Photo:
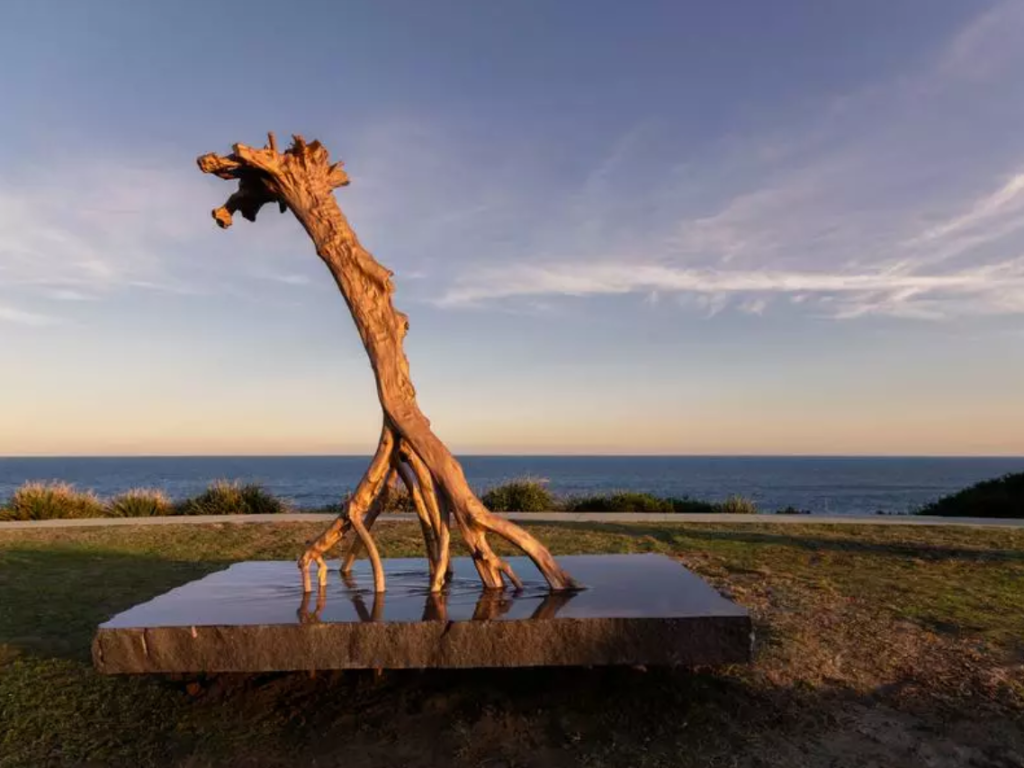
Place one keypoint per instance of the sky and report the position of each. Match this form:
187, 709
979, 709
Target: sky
642, 228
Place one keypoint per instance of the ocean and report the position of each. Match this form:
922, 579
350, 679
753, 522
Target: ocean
823, 485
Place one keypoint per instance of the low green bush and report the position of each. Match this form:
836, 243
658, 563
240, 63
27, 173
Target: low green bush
999, 497
619, 502
397, 500
141, 502
523, 495
48, 501
737, 505
232, 498
692, 506
632, 501
791, 510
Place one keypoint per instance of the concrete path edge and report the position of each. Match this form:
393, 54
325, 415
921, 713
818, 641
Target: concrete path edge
537, 517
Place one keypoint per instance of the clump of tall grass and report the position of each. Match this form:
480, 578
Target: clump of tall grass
141, 502
223, 497
49, 501
522, 495
737, 505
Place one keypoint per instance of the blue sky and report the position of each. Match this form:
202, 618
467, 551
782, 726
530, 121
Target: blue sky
656, 227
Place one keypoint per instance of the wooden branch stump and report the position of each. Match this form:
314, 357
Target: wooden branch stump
301, 179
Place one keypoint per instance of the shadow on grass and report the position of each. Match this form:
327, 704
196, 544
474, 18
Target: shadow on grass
52, 600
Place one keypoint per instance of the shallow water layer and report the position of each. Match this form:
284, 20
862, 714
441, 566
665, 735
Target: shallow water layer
269, 592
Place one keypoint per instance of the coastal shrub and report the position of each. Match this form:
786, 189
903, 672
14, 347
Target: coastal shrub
627, 501
48, 501
522, 495
140, 502
634, 501
398, 500
738, 505
232, 498
791, 510
692, 506
999, 497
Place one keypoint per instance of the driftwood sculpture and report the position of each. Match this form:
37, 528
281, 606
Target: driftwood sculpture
301, 179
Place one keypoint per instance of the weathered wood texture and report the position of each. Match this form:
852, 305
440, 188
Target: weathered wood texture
302, 179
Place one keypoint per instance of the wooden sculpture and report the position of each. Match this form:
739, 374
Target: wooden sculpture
302, 179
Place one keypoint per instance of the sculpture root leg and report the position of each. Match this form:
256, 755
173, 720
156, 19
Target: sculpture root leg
426, 522
353, 544
437, 514
352, 518
436, 506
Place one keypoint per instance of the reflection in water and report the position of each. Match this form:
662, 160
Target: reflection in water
552, 604
376, 613
491, 604
305, 617
436, 608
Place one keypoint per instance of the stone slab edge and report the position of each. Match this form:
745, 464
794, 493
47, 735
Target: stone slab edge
706, 640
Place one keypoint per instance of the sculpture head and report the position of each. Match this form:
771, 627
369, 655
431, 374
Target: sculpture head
265, 175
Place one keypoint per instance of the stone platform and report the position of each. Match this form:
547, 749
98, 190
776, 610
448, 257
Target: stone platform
253, 617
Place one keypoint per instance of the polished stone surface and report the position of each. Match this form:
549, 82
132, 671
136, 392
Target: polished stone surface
252, 616
616, 586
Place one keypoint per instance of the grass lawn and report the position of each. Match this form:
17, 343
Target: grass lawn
877, 646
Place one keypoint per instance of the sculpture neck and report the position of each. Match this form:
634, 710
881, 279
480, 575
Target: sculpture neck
336, 243
367, 288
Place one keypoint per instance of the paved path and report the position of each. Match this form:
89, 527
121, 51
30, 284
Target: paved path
545, 517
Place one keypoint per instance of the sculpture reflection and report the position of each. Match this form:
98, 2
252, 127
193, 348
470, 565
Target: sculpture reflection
376, 612
436, 608
305, 617
491, 604
552, 603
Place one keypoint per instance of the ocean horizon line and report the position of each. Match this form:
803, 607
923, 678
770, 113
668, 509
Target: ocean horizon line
457, 454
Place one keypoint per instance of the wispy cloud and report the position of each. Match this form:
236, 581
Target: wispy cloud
67, 294
871, 289
21, 317
991, 218
287, 279
905, 198
71, 231
112, 225
901, 198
